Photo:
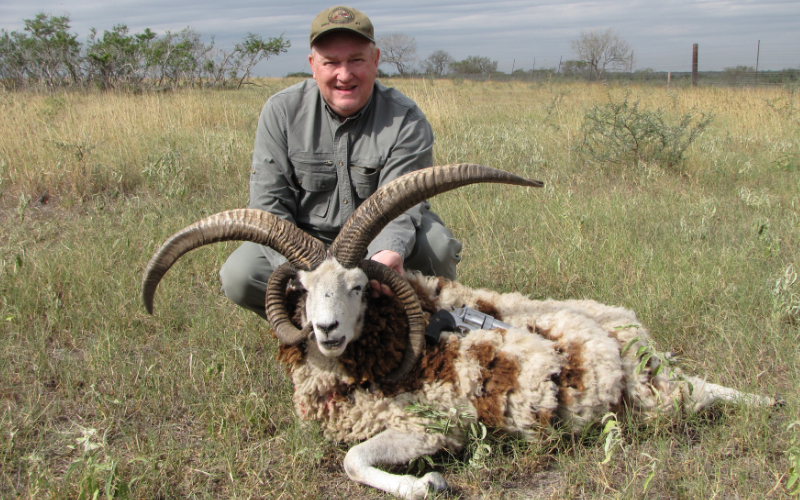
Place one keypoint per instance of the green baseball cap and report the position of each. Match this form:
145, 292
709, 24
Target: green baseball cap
342, 18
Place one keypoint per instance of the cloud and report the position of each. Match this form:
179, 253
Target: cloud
509, 31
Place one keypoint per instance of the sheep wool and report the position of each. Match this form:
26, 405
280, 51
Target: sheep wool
562, 362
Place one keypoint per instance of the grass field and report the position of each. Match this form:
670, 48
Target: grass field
97, 397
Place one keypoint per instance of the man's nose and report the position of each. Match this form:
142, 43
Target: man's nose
344, 72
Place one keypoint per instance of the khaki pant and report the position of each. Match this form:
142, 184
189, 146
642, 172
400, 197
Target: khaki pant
246, 272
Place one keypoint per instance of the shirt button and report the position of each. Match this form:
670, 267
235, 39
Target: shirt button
322, 185
340, 163
345, 201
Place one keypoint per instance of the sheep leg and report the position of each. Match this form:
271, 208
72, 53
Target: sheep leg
703, 394
393, 447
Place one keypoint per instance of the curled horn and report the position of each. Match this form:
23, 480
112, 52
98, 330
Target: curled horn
276, 307
394, 198
257, 226
416, 320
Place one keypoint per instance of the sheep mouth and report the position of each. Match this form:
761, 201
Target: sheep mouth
332, 345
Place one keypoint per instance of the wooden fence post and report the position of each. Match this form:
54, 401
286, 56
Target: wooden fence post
758, 53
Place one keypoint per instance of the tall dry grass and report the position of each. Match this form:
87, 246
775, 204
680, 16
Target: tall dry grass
98, 397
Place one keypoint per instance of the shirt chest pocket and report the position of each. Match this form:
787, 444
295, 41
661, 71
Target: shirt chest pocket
316, 178
364, 175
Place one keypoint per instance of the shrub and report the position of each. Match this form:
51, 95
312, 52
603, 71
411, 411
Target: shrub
621, 132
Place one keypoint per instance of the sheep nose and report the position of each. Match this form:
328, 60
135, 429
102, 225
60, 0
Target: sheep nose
326, 329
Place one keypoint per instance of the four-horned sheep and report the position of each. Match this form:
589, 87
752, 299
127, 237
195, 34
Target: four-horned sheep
361, 366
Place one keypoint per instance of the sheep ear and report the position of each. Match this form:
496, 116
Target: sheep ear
295, 285
416, 319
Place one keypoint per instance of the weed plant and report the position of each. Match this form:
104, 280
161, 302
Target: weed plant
100, 400
620, 132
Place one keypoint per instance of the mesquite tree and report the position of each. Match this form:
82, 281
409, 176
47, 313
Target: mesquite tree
399, 50
438, 63
603, 51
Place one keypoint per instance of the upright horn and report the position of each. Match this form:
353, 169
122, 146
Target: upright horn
385, 205
301, 249
392, 199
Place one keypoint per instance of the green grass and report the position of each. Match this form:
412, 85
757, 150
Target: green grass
97, 396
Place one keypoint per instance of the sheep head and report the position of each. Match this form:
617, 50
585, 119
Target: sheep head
334, 305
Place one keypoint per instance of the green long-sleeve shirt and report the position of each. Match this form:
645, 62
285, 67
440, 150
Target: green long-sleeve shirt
313, 170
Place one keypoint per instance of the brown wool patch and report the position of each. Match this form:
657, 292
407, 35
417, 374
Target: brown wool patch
542, 332
295, 302
436, 363
487, 307
483, 352
502, 376
341, 393
442, 284
382, 343
545, 417
570, 379
291, 355
427, 303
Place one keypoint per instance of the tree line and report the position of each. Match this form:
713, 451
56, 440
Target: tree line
45, 54
400, 50
598, 55
597, 52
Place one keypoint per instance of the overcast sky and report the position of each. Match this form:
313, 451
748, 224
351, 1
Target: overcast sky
516, 33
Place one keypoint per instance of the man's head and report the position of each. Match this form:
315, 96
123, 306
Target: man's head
344, 58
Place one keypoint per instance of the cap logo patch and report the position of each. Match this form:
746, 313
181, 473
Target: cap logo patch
340, 15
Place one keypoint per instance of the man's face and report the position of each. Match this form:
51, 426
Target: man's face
345, 66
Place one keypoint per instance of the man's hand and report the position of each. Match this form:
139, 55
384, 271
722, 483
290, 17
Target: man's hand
389, 259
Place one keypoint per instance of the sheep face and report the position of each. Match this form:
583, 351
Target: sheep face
335, 304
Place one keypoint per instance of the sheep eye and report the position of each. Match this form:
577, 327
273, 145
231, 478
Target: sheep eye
357, 288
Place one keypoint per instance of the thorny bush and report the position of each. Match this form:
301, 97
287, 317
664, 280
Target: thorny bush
622, 133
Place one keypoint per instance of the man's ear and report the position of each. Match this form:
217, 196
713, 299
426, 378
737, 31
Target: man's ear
377, 57
311, 62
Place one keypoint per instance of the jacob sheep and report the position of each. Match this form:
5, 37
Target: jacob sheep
361, 367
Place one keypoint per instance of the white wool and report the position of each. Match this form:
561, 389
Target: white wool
538, 362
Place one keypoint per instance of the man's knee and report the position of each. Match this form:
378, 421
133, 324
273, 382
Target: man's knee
437, 252
236, 281
244, 277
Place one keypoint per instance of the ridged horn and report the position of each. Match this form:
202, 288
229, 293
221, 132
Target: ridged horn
276, 307
304, 251
416, 320
392, 199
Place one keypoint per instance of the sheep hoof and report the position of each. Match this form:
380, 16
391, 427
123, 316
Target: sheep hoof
778, 401
435, 482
